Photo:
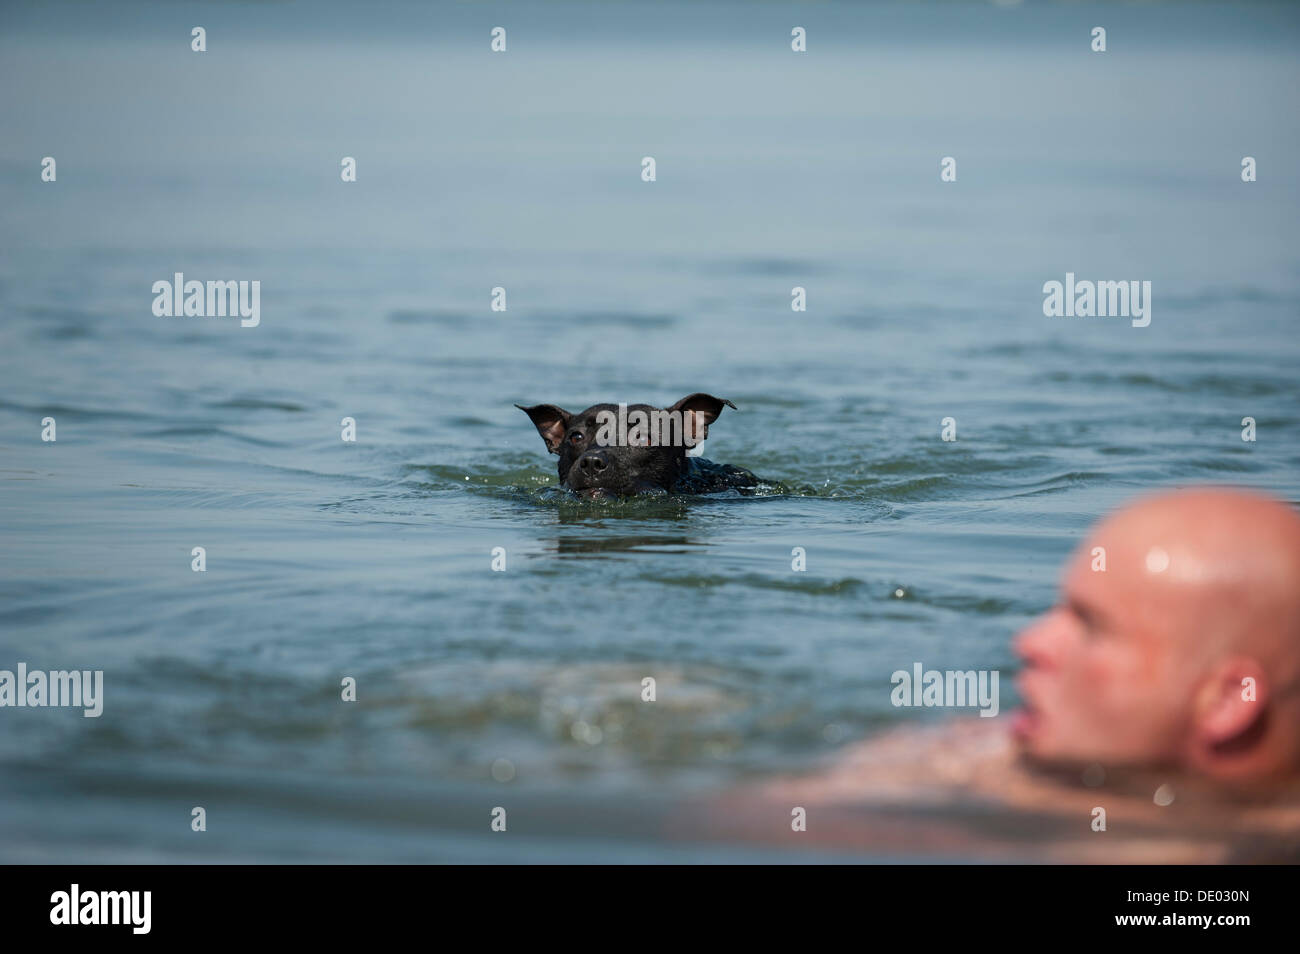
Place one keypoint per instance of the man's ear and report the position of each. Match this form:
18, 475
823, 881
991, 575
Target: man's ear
1232, 702
551, 422
698, 412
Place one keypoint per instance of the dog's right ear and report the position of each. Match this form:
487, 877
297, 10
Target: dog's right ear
551, 422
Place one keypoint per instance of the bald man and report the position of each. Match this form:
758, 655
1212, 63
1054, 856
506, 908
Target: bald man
1176, 642
1163, 690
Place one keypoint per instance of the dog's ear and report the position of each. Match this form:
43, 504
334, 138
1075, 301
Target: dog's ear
698, 412
551, 422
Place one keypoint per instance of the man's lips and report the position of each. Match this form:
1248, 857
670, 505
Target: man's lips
1025, 719
1023, 723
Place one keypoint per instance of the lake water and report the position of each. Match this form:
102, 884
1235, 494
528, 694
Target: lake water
327, 559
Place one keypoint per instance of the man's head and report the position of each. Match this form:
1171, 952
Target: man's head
612, 449
1176, 642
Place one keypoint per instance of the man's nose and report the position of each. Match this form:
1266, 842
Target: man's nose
593, 461
1040, 643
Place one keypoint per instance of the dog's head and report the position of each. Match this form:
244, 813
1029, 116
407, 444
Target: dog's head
612, 449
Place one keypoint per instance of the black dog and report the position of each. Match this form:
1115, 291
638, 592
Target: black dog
603, 452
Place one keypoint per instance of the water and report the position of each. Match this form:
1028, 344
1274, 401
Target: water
328, 559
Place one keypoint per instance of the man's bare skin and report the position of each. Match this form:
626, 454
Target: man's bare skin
1163, 688
966, 788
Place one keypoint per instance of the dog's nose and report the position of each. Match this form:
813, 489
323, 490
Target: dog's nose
593, 461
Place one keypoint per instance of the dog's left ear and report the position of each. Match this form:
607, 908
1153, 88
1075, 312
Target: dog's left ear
698, 412
551, 422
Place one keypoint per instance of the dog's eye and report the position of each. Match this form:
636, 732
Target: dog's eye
576, 438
